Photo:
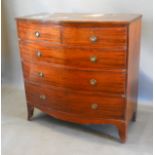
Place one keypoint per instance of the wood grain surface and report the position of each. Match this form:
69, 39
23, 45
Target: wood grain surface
106, 81
47, 32
75, 102
73, 57
106, 37
82, 68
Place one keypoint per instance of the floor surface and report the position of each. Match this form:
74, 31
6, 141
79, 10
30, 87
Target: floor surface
45, 135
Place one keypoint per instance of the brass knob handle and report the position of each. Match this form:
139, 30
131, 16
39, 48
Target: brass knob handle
94, 106
37, 34
38, 54
93, 59
41, 74
93, 39
93, 82
43, 97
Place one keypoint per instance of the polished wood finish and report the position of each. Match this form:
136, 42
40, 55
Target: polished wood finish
133, 67
83, 18
106, 81
30, 109
27, 31
107, 37
82, 68
73, 57
75, 102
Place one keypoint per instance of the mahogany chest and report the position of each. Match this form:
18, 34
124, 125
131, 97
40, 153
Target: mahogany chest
82, 68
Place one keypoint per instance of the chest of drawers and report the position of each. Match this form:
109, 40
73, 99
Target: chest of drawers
82, 68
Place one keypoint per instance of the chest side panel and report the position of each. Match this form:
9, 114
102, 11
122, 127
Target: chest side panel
134, 34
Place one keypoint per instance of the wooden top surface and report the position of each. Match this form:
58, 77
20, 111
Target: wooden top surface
83, 17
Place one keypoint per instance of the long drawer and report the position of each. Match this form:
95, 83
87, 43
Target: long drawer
105, 81
86, 105
73, 57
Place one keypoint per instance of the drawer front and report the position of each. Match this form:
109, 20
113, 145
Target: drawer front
74, 102
38, 31
73, 57
104, 37
105, 81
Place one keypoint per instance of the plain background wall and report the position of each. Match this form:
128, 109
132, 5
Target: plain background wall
11, 67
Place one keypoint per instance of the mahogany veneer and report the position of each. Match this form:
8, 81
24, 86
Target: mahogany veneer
82, 68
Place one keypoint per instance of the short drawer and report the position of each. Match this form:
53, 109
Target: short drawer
33, 30
104, 81
86, 105
100, 37
73, 57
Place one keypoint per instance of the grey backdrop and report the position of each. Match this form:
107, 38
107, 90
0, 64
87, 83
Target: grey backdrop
11, 67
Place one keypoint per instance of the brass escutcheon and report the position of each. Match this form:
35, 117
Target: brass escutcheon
43, 97
94, 106
38, 54
93, 59
93, 82
37, 34
41, 74
93, 39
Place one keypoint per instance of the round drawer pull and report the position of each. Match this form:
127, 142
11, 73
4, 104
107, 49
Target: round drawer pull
37, 34
43, 97
93, 39
93, 59
94, 106
38, 54
41, 74
93, 82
